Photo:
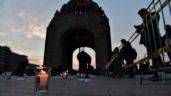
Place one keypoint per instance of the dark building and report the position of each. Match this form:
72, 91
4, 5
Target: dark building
16, 60
79, 23
9, 60
4, 58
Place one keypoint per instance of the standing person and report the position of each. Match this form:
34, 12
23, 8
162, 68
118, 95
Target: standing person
21, 69
88, 65
167, 38
151, 37
129, 55
117, 63
84, 63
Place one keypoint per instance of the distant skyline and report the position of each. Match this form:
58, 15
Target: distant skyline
24, 23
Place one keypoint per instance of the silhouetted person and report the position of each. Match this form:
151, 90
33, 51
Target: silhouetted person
144, 67
109, 69
129, 54
84, 63
150, 37
116, 65
167, 39
21, 69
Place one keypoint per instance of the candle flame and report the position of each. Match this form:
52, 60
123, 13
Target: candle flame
42, 71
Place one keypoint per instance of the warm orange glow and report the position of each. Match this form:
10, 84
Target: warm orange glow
42, 71
65, 73
43, 78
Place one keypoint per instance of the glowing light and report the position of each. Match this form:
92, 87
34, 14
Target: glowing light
43, 78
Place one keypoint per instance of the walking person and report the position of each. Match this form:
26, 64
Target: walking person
150, 37
116, 65
129, 55
167, 39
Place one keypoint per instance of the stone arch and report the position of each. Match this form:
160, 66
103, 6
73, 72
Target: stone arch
66, 32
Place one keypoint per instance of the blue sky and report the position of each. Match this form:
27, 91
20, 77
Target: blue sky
24, 22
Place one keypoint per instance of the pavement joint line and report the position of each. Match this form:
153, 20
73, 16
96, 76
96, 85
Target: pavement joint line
16, 92
108, 92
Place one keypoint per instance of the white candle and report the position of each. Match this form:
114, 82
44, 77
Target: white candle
43, 78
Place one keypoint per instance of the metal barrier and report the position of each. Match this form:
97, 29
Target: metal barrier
158, 7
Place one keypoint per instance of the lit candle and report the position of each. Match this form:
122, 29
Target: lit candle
43, 78
65, 73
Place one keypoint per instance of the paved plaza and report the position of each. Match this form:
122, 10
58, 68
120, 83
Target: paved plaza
96, 86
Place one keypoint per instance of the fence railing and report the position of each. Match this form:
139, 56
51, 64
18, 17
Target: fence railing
157, 6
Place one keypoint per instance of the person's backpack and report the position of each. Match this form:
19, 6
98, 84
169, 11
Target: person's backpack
134, 53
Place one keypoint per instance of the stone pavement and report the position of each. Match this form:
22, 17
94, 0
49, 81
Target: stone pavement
97, 86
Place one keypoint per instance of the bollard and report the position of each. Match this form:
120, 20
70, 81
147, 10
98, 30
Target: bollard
41, 81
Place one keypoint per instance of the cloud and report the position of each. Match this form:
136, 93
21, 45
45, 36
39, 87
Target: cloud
5, 43
2, 35
36, 30
36, 61
4, 39
29, 25
21, 15
33, 27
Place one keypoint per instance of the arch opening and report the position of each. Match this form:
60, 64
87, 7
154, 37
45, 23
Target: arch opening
90, 51
73, 39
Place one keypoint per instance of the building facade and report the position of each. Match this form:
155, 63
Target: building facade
9, 61
79, 23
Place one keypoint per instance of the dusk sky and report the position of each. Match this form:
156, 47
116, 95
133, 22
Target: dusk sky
23, 23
